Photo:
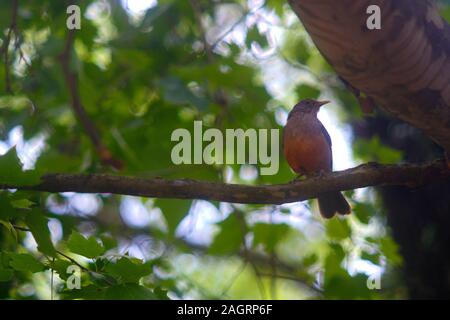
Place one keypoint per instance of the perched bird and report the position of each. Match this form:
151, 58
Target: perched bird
307, 148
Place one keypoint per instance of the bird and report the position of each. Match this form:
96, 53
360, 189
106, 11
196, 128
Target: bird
307, 149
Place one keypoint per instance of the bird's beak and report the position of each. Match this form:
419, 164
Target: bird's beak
321, 103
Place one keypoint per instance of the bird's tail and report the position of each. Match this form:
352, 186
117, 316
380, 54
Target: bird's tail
330, 203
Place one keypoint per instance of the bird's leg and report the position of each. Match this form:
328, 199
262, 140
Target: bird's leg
320, 174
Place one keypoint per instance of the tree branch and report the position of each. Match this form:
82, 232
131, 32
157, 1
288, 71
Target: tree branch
12, 29
404, 67
372, 174
105, 155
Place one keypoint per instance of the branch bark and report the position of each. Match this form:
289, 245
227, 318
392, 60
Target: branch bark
404, 67
362, 176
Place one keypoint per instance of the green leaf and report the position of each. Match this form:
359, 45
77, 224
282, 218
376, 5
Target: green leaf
89, 292
7, 211
389, 248
445, 13
17, 103
25, 262
338, 229
296, 48
176, 92
333, 261
60, 266
22, 204
375, 150
309, 260
38, 225
230, 237
363, 211
129, 270
161, 294
268, 235
305, 91
253, 35
276, 5
11, 171
108, 242
372, 257
343, 286
5, 272
10, 228
88, 248
174, 211
129, 291
152, 14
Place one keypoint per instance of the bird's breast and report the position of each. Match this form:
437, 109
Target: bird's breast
305, 147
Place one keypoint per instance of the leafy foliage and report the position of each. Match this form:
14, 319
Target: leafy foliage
89, 248
139, 77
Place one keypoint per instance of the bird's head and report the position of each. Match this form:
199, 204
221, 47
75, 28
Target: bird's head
307, 106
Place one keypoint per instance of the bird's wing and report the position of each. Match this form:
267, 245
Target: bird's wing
325, 134
328, 139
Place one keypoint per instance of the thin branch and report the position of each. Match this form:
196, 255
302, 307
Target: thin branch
218, 96
244, 17
78, 108
72, 260
233, 279
198, 17
372, 174
289, 271
295, 279
21, 228
51, 281
12, 29
92, 273
284, 269
246, 251
273, 265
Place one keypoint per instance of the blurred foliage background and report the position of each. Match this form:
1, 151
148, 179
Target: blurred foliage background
147, 67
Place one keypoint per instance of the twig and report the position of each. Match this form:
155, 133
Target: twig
244, 16
294, 278
286, 269
21, 228
273, 265
94, 273
198, 17
51, 281
233, 279
243, 224
105, 155
219, 95
12, 29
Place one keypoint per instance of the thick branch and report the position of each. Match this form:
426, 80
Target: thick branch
404, 67
362, 176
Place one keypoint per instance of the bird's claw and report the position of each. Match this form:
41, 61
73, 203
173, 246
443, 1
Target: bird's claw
320, 174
